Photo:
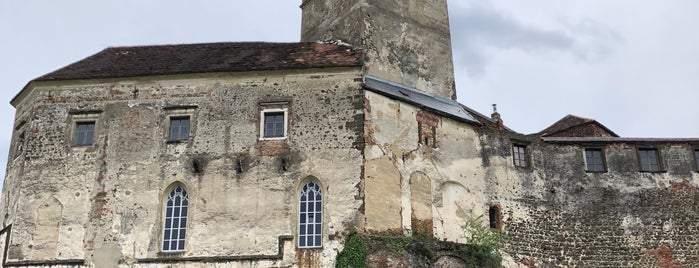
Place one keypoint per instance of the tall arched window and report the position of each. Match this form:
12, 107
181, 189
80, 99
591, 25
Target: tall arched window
311, 216
175, 226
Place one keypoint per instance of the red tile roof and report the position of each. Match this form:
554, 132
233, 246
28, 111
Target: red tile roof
575, 126
204, 58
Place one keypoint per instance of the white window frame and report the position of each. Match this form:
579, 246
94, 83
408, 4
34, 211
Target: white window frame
263, 123
318, 221
165, 229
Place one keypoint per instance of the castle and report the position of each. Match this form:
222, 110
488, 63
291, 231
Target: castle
269, 154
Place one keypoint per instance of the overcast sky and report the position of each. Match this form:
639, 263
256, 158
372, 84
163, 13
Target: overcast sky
632, 65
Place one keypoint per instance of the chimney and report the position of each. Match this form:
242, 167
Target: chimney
496, 117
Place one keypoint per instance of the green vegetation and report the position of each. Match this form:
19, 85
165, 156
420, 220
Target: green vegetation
483, 251
489, 242
353, 255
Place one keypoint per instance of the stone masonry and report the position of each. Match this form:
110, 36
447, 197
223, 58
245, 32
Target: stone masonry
374, 126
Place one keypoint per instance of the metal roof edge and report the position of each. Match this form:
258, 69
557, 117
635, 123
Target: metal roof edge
440, 105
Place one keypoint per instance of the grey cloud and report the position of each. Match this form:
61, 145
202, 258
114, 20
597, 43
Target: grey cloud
593, 41
479, 30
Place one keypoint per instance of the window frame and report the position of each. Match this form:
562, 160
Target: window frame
603, 160
524, 155
76, 131
179, 117
179, 111
263, 122
317, 225
83, 117
695, 154
658, 159
165, 217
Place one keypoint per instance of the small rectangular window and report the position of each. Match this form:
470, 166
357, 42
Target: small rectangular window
179, 128
495, 218
84, 133
426, 135
519, 155
20, 145
649, 160
594, 160
273, 125
696, 158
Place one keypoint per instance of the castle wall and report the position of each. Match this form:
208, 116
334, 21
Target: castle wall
103, 203
560, 215
554, 211
410, 185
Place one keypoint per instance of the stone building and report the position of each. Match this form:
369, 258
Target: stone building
269, 154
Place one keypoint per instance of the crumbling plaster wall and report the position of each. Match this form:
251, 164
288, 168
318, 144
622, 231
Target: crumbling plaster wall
560, 215
394, 155
243, 198
402, 40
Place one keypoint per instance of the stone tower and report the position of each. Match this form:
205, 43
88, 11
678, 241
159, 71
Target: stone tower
406, 41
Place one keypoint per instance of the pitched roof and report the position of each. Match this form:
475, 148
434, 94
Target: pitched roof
439, 105
204, 58
576, 126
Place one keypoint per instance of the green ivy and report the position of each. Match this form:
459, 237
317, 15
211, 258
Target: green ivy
353, 255
422, 247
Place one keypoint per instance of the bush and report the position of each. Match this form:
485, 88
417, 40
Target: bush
424, 248
488, 243
353, 255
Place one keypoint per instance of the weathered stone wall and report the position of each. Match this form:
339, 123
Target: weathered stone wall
407, 42
104, 202
411, 185
383, 165
561, 215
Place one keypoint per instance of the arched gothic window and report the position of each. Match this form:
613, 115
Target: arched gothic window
310, 216
175, 226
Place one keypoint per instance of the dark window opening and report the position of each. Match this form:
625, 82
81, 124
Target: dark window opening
273, 125
519, 155
426, 135
179, 128
20, 145
594, 160
649, 160
495, 217
84, 133
696, 158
